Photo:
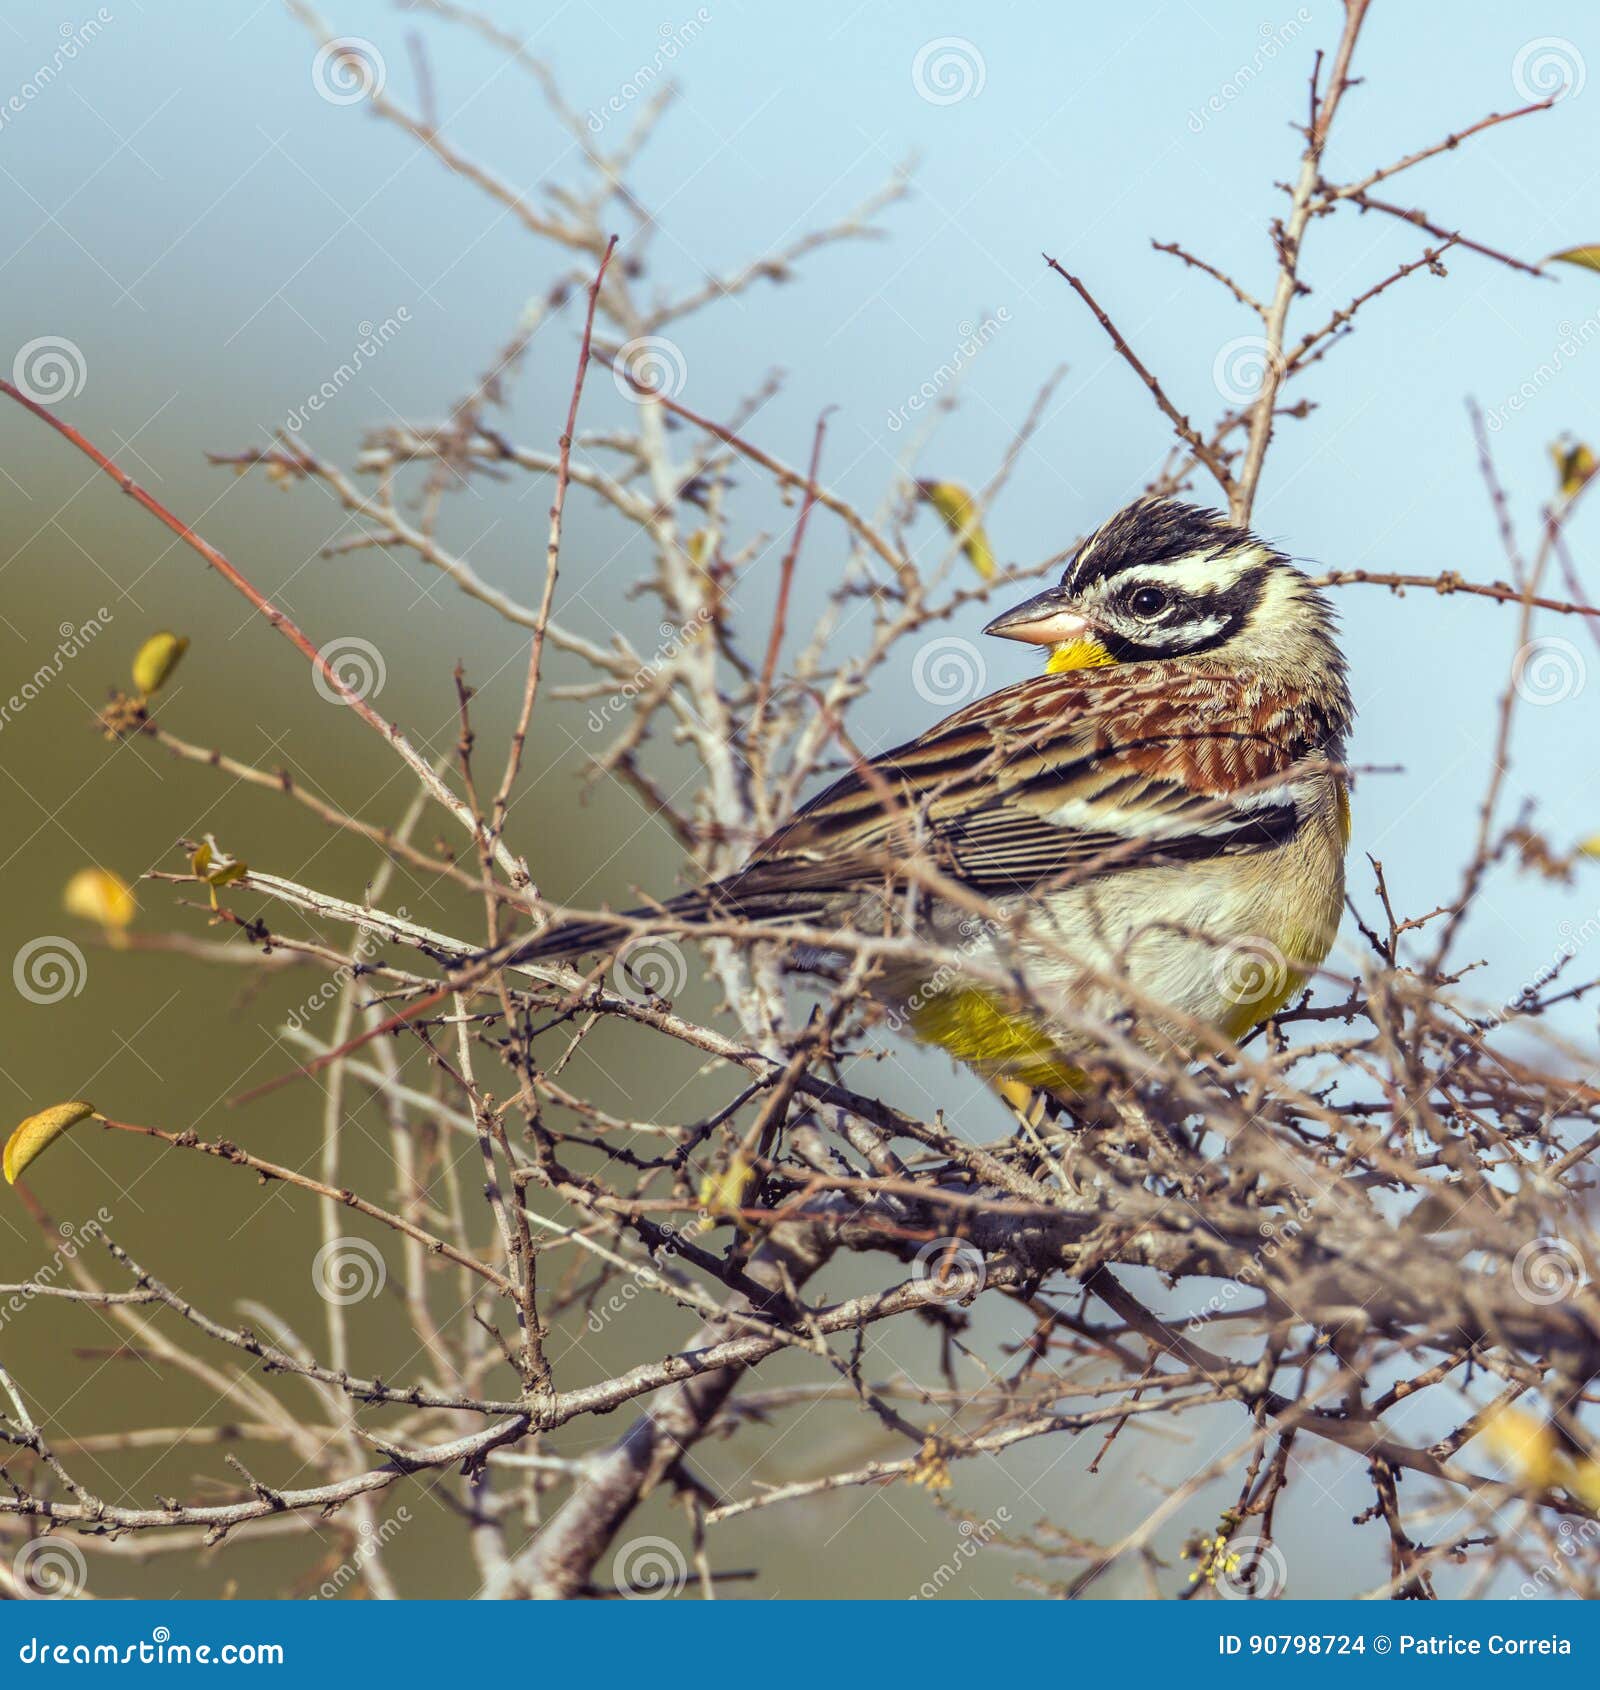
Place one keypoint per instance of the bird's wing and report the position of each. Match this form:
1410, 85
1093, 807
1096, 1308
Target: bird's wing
1029, 786
1039, 781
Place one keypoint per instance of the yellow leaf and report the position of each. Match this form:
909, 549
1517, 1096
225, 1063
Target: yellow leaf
39, 1132
96, 894
960, 512
1583, 1480
931, 1469
1525, 1446
1575, 464
1529, 1450
155, 660
1585, 257
1590, 847
725, 1193
215, 868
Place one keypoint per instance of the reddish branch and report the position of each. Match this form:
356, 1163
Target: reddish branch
780, 613
552, 554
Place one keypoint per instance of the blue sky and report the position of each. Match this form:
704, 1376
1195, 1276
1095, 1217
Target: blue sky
181, 204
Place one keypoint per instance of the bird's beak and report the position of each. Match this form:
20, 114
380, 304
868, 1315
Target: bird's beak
1045, 619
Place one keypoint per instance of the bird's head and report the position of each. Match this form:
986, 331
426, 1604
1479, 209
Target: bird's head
1163, 581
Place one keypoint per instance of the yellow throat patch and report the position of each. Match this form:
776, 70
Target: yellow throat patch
1087, 653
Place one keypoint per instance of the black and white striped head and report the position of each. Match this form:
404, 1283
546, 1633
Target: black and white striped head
1163, 580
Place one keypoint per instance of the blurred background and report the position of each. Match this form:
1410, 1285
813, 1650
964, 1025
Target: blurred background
213, 229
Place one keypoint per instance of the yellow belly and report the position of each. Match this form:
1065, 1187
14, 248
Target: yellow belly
980, 1030
1239, 1021
973, 1028
969, 1025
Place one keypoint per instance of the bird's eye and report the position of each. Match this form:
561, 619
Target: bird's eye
1148, 601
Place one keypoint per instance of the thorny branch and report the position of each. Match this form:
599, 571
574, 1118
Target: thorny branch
1378, 1203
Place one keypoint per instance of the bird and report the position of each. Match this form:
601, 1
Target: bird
1147, 837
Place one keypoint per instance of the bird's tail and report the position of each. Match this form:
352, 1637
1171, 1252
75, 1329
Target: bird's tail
564, 941
741, 897
568, 939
